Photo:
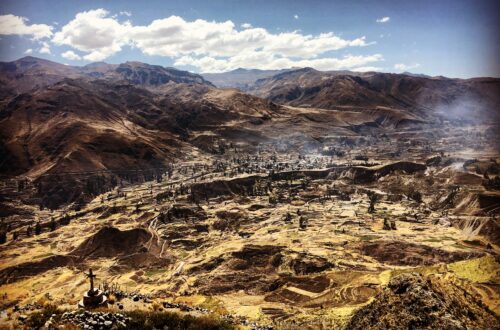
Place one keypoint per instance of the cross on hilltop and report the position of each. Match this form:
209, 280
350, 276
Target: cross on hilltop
94, 297
91, 277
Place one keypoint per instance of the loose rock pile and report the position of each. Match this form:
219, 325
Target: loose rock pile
185, 308
242, 321
138, 296
27, 307
95, 320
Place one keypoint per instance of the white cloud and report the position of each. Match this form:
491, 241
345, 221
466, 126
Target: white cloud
71, 55
384, 19
404, 67
126, 13
266, 61
17, 25
102, 36
95, 33
204, 44
296, 16
28, 51
367, 69
45, 49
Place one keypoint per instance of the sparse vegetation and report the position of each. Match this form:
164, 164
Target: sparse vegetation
37, 320
145, 320
190, 201
373, 198
139, 319
38, 228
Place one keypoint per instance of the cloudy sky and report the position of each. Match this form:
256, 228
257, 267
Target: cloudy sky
440, 37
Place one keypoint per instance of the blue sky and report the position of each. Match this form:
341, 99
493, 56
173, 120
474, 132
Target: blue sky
452, 38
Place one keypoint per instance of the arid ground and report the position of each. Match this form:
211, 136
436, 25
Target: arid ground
311, 208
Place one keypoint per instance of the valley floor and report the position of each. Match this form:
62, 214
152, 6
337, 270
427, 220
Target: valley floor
280, 239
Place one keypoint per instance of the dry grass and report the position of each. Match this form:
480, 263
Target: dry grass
481, 270
144, 320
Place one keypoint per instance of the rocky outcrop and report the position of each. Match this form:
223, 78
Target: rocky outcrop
307, 264
411, 301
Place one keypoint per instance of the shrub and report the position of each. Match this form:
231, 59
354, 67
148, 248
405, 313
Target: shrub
38, 228
52, 224
37, 320
415, 195
167, 320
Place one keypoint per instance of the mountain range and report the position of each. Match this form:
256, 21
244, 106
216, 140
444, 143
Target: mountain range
56, 118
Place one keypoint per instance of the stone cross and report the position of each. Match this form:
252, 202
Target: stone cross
91, 277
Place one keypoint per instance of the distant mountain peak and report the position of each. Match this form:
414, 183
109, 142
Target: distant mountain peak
29, 73
306, 69
36, 60
240, 70
96, 64
406, 73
